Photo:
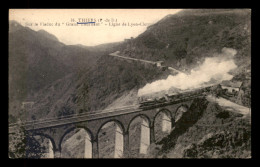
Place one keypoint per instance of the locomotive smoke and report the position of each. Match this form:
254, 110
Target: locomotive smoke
214, 69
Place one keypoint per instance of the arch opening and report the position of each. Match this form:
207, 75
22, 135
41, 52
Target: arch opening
139, 136
162, 124
111, 140
182, 109
46, 146
76, 144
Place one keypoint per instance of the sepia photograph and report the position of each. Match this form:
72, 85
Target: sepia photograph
129, 83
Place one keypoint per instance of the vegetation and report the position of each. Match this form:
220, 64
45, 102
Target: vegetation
64, 80
58, 72
24, 145
216, 133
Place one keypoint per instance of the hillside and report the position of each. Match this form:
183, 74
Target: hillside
183, 40
70, 79
91, 90
37, 59
86, 78
211, 132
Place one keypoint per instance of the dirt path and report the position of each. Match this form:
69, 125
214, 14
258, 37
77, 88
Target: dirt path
130, 58
115, 54
230, 105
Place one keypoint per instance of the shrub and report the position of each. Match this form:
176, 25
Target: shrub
223, 115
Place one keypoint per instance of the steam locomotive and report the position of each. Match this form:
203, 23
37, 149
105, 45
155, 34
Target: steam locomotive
145, 102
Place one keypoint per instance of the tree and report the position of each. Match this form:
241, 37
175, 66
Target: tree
23, 145
216, 91
65, 111
247, 97
84, 89
85, 92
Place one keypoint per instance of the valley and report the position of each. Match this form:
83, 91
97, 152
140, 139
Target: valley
61, 80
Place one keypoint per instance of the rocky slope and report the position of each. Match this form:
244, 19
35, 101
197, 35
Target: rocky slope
212, 132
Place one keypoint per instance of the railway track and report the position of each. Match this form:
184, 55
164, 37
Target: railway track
75, 118
38, 124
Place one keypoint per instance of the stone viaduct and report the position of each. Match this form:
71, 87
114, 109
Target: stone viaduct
56, 129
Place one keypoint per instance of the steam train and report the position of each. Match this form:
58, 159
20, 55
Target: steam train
146, 102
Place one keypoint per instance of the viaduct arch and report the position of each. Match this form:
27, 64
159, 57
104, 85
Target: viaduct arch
123, 120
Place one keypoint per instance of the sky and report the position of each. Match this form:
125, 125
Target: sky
87, 34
